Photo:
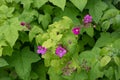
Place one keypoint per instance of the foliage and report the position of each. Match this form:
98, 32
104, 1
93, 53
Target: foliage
91, 54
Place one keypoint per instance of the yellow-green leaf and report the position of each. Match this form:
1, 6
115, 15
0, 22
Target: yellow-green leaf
105, 60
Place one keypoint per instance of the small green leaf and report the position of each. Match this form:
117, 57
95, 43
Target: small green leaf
95, 72
41, 70
90, 31
48, 43
55, 63
116, 22
35, 30
7, 50
28, 15
104, 51
1, 49
46, 19
54, 36
116, 44
3, 62
39, 3
59, 3
26, 3
80, 4
105, 60
105, 25
33, 75
109, 73
104, 40
110, 14
117, 60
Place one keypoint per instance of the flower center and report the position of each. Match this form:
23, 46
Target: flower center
77, 30
61, 51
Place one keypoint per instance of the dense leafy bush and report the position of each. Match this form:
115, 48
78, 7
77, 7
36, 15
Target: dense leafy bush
59, 39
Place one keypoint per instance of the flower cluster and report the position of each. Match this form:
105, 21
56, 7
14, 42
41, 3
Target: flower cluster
87, 19
61, 51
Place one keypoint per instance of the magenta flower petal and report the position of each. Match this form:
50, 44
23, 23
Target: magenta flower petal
87, 19
60, 51
76, 30
41, 50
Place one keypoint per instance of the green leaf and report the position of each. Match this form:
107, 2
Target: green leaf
39, 3
110, 14
41, 38
105, 25
26, 3
48, 9
116, 22
90, 31
105, 60
117, 73
116, 1
59, 3
2, 2
10, 30
23, 36
53, 75
7, 50
9, 1
117, 60
35, 30
81, 75
41, 70
6, 12
49, 43
104, 51
1, 49
116, 44
3, 62
46, 19
12, 27
80, 4
54, 36
104, 40
28, 15
95, 72
22, 62
33, 76
68, 9
109, 73
69, 40
96, 9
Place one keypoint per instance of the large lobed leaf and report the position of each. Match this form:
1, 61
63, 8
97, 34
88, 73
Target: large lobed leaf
22, 62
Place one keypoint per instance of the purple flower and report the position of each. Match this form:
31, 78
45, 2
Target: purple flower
41, 50
22, 23
87, 19
76, 30
60, 51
